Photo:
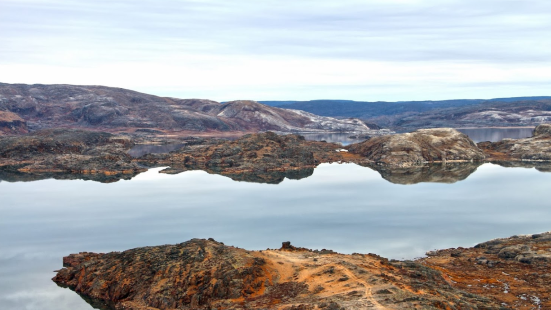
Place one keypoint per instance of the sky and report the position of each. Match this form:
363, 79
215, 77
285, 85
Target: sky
370, 50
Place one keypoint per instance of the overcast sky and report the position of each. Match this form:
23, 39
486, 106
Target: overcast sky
285, 49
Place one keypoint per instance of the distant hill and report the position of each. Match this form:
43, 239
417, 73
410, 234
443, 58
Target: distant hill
408, 115
116, 109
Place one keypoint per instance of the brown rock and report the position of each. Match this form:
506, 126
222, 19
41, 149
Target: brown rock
535, 148
543, 129
205, 274
418, 148
68, 151
11, 123
263, 157
117, 109
514, 271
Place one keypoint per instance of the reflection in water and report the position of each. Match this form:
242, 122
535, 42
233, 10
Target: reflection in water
436, 173
268, 177
344, 207
538, 165
476, 134
343, 138
16, 176
497, 134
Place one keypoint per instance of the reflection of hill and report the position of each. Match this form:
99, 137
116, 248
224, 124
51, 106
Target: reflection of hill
437, 173
14, 176
540, 166
269, 177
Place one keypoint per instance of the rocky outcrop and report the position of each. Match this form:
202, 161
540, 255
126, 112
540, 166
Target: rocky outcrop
513, 271
536, 148
418, 148
68, 151
11, 123
263, 156
431, 155
205, 274
116, 109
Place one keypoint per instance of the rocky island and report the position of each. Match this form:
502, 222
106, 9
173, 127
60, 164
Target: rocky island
510, 273
47, 153
269, 157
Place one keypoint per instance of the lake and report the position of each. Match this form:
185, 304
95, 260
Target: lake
476, 134
344, 207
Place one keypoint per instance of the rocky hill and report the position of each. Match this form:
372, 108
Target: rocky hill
205, 274
533, 149
269, 157
410, 115
418, 148
98, 155
117, 109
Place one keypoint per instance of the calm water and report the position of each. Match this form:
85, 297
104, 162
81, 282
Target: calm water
497, 134
347, 208
477, 135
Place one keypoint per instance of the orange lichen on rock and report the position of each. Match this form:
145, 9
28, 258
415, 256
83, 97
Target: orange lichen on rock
513, 271
205, 274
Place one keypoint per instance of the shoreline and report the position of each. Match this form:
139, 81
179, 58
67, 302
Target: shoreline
494, 274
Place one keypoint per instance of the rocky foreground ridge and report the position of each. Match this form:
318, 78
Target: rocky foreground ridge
122, 110
269, 158
508, 273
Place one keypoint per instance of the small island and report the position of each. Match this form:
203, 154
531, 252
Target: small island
264, 157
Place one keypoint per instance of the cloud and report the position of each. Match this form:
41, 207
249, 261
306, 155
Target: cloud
285, 45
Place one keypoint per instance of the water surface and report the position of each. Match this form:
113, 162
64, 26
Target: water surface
476, 134
345, 207
496, 134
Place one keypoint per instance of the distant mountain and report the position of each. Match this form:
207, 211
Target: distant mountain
117, 109
408, 115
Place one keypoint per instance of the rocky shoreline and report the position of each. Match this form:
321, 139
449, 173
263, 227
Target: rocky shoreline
511, 273
265, 157
98, 155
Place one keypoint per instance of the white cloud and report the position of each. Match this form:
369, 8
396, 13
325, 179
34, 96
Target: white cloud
365, 50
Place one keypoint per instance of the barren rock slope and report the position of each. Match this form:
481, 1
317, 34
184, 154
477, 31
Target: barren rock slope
535, 148
419, 147
205, 274
117, 109
11, 123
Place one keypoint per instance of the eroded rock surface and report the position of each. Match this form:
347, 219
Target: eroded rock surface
117, 109
205, 274
430, 155
535, 148
68, 151
514, 271
418, 148
263, 156
11, 123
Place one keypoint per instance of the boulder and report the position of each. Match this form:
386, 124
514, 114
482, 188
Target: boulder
419, 147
